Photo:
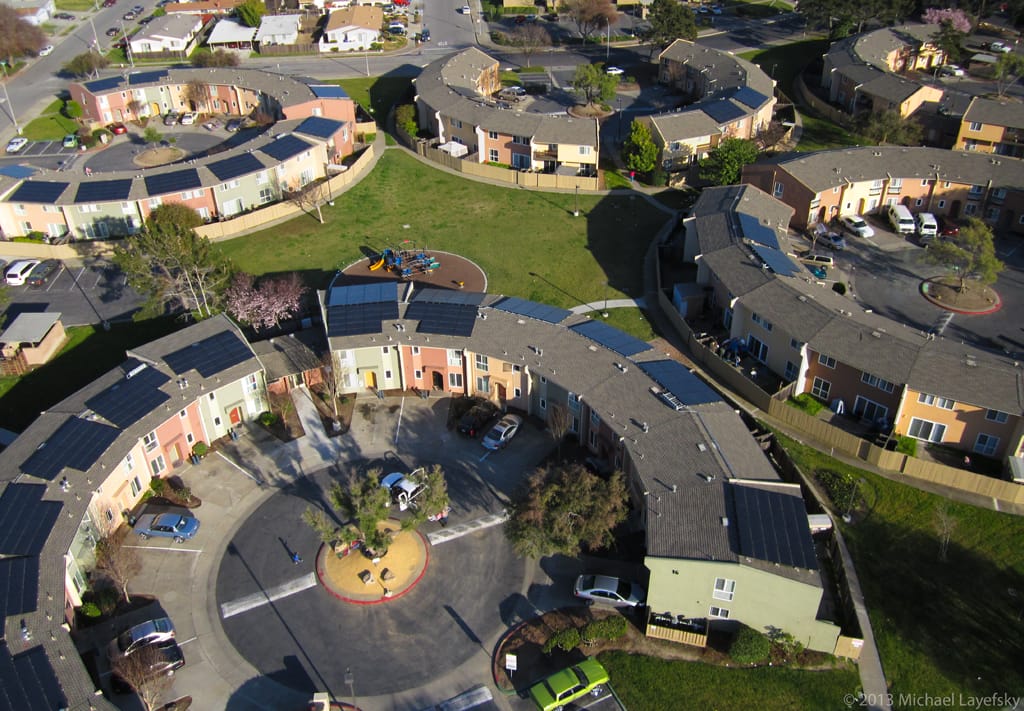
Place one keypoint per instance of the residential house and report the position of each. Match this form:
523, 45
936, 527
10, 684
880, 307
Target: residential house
990, 126
352, 28
169, 33
34, 12
278, 30
203, 8
292, 361
30, 340
231, 34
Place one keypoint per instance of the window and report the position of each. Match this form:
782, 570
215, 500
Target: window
941, 204
970, 209
928, 431
796, 345
543, 404
924, 182
595, 419
454, 357
895, 185
457, 123
521, 140
385, 349
996, 416
417, 374
252, 383
986, 444
943, 402
136, 485
976, 190
517, 392
573, 400
975, 126
483, 384
149, 441
835, 190
493, 135
918, 202
778, 190
261, 178
820, 388
157, 465
481, 362
584, 150
724, 589
189, 437
718, 612
129, 462
415, 350
110, 515
792, 371
266, 195
127, 208
757, 349
492, 155
761, 321
991, 214
876, 382
216, 421
387, 375
827, 361
213, 395
869, 410
455, 380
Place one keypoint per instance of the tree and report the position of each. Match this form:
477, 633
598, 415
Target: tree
670, 20
73, 110
250, 12
949, 40
197, 93
334, 377
889, 127
957, 19
135, 107
137, 670
17, 37
724, 164
559, 424
1009, 67
640, 151
529, 38
971, 255
118, 563
151, 135
365, 502
217, 58
173, 265
945, 526
264, 305
590, 15
560, 510
594, 83
309, 197
86, 64
433, 501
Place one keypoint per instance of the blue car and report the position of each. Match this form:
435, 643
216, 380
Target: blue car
177, 526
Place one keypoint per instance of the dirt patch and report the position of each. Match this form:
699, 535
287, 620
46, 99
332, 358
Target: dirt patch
975, 298
334, 426
589, 111
286, 425
153, 157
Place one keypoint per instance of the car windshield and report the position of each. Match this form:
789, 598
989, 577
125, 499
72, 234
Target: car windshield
856, 222
587, 583
624, 589
181, 524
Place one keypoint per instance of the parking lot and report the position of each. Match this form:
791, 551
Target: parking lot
84, 292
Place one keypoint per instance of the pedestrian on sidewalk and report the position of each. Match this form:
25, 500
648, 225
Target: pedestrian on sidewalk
296, 558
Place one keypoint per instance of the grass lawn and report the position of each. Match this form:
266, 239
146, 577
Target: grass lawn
75, 5
632, 321
50, 125
89, 353
509, 233
821, 134
651, 684
942, 628
377, 93
785, 61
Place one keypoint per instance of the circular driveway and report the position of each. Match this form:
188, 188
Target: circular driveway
305, 638
196, 141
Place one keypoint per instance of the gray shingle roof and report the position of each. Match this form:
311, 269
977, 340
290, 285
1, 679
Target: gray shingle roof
728, 71
966, 374
684, 125
291, 354
890, 87
1006, 113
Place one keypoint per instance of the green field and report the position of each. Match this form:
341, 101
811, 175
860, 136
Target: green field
942, 627
528, 243
651, 684
377, 93
50, 125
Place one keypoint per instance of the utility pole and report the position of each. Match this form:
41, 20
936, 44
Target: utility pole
7, 98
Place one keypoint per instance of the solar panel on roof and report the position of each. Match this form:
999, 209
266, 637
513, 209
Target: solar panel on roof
319, 127
77, 444
442, 319
748, 97
285, 147
233, 167
723, 110
103, 190
18, 594
448, 296
18, 171
611, 338
373, 292
773, 527
39, 191
531, 309
777, 261
147, 77
28, 681
25, 519
328, 91
178, 181
126, 402
358, 319
101, 85
757, 232
211, 355
678, 380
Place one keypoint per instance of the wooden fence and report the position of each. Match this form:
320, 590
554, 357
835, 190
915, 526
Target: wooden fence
284, 50
524, 179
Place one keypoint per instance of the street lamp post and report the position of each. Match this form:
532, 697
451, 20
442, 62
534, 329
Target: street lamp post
7, 98
127, 49
608, 43
350, 680
576, 209
618, 103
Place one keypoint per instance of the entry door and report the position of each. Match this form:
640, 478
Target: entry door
235, 415
869, 410
437, 380
371, 379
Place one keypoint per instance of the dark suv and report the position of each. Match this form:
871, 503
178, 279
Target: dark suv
475, 421
43, 272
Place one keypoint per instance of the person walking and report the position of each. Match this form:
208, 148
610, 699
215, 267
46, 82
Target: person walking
296, 558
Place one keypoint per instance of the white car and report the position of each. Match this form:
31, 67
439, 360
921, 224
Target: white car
503, 432
465, 9
1000, 47
856, 225
46, 50
18, 272
16, 144
614, 71
189, 118
952, 70
609, 590
404, 489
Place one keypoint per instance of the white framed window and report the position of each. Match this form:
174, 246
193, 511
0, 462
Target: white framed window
986, 444
136, 485
584, 150
493, 135
996, 416
876, 382
212, 396
517, 392
595, 419
252, 383
941, 204
455, 380
827, 361
216, 422
183, 414
944, 402
481, 362
492, 155
129, 462
266, 195
415, 350
918, 202
543, 380
928, 431
157, 465
970, 209
778, 190
573, 401
387, 375
975, 126
417, 374
720, 613
262, 178
758, 349
924, 182
820, 388
792, 370
869, 409
189, 437
796, 345
724, 589
385, 349
483, 384
109, 515
454, 357
150, 441
761, 321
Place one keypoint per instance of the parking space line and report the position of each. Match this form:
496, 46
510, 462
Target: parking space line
398, 425
177, 549
265, 597
488, 453
453, 532
236, 466
99, 276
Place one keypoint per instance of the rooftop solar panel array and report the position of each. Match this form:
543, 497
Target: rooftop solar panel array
103, 190
444, 319
531, 309
358, 319
748, 97
371, 293
101, 85
722, 110
19, 585
777, 261
38, 191
773, 527
25, 519
28, 681
126, 402
211, 355
328, 91
319, 127
678, 380
449, 296
175, 182
286, 147
235, 166
77, 444
140, 78
611, 338
18, 171
757, 232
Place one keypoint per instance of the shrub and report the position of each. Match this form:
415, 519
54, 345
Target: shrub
158, 486
840, 288
906, 445
107, 599
566, 640
749, 646
89, 609
612, 627
268, 418
840, 487
405, 117
806, 403
200, 449
184, 493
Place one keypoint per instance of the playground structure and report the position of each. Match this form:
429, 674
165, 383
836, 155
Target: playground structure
406, 262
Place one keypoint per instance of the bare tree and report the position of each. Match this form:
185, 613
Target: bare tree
118, 563
197, 93
591, 15
17, 37
140, 670
309, 197
559, 424
945, 525
135, 107
529, 39
334, 377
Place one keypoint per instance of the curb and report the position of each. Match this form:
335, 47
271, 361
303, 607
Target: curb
320, 575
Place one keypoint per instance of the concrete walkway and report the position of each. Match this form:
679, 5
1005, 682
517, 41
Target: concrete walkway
599, 306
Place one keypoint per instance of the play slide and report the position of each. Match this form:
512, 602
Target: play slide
377, 265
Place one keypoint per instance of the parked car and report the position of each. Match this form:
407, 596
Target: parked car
171, 118
166, 661
396, 28
856, 225
999, 47
138, 9
109, 3
952, 70
473, 422
465, 10
212, 125
64, 16
425, 34
404, 489
46, 51
118, 129
159, 629
568, 685
146, 20
610, 590
70, 141
18, 272
927, 226
948, 227
111, 32
503, 432
833, 240
233, 125
177, 526
188, 118
43, 272
512, 93
16, 144
614, 71
128, 16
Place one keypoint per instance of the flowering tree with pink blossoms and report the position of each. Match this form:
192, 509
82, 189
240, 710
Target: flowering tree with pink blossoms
264, 305
953, 26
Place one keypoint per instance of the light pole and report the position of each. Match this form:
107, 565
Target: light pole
367, 57
350, 680
576, 209
95, 36
608, 43
618, 103
127, 49
7, 98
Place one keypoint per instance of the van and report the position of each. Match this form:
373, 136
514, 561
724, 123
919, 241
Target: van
820, 260
901, 219
927, 227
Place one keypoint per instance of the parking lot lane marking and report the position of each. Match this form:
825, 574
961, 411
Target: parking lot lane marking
176, 549
398, 427
99, 276
467, 700
226, 459
183, 643
486, 455
462, 529
265, 597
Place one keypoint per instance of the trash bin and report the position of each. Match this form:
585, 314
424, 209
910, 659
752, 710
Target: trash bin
233, 434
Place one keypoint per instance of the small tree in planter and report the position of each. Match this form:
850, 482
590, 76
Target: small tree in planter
200, 449
365, 502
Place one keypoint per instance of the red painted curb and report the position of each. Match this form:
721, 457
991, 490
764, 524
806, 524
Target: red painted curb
320, 576
963, 312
